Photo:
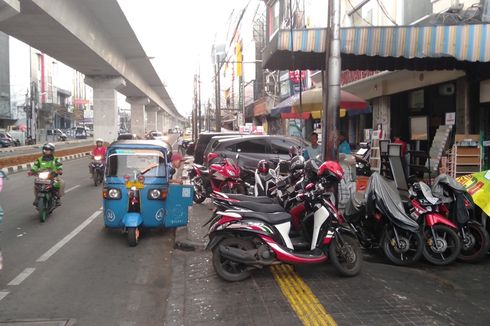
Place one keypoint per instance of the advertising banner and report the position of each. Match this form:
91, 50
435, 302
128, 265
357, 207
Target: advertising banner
478, 186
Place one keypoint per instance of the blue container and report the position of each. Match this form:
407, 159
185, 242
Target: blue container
178, 201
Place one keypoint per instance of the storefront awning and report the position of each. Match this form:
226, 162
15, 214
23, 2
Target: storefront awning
385, 48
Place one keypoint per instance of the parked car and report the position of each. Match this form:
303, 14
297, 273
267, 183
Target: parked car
5, 140
202, 142
252, 149
212, 143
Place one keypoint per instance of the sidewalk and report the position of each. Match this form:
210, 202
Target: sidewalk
199, 297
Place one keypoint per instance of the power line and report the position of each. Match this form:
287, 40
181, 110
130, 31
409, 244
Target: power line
358, 14
385, 12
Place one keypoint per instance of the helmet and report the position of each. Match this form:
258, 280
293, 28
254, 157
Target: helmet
297, 163
293, 151
263, 166
48, 147
311, 169
331, 171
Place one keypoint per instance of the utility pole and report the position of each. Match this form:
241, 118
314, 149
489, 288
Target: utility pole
218, 94
194, 112
331, 83
199, 101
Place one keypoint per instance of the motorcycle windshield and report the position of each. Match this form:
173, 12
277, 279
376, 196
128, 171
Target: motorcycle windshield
383, 195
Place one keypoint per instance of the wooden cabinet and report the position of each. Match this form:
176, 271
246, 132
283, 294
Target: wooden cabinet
464, 160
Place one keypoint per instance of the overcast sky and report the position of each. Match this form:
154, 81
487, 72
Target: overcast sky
180, 34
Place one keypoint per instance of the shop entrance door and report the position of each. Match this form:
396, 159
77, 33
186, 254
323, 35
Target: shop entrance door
485, 134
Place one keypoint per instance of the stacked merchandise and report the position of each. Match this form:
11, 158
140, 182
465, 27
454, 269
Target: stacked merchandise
439, 145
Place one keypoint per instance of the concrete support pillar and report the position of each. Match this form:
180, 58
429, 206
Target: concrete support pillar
9, 8
138, 114
151, 118
106, 117
161, 121
382, 115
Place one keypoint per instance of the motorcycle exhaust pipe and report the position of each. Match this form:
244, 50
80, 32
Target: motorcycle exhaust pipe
238, 255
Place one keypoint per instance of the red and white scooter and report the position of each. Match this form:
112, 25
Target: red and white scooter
242, 240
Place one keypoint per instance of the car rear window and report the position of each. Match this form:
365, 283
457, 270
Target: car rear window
252, 146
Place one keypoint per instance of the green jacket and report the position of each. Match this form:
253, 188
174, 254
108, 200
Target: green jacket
53, 165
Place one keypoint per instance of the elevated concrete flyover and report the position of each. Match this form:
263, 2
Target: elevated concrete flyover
95, 38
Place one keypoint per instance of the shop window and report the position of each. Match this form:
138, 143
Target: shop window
416, 100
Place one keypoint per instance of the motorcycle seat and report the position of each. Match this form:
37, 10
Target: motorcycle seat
260, 207
258, 199
271, 218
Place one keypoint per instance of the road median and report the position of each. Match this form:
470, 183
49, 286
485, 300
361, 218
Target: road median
23, 162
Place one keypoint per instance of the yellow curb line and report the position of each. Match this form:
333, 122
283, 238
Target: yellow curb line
304, 303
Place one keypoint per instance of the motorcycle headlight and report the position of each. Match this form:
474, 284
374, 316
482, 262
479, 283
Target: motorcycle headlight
111, 193
44, 175
98, 158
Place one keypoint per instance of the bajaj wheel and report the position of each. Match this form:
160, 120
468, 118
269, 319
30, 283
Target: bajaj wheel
133, 236
444, 247
346, 257
406, 250
475, 243
199, 195
227, 269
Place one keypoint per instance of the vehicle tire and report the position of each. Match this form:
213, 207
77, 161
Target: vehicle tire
229, 270
445, 248
96, 178
348, 258
476, 243
133, 236
43, 210
410, 250
198, 195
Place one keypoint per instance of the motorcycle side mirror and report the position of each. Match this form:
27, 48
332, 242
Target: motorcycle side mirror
310, 186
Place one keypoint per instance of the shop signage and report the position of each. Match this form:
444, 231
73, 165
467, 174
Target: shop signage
350, 76
294, 75
478, 186
450, 118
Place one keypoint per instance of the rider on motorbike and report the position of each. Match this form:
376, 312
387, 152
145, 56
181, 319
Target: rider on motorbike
99, 150
49, 162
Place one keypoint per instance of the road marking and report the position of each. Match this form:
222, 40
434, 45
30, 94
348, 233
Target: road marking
70, 236
22, 276
304, 303
3, 294
72, 188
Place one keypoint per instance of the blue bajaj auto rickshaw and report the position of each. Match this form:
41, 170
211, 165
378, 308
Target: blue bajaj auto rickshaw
137, 193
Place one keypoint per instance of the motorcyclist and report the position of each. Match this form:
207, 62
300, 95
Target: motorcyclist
49, 162
99, 150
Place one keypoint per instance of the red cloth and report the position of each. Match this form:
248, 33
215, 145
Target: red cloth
99, 151
404, 146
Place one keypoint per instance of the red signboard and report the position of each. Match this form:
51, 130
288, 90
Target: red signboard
349, 76
80, 101
294, 75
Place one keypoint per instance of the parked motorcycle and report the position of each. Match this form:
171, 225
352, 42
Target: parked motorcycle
45, 192
242, 240
379, 221
457, 205
442, 244
223, 176
98, 166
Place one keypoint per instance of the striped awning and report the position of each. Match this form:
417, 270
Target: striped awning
452, 44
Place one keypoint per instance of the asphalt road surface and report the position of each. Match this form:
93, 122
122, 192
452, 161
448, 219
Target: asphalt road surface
71, 267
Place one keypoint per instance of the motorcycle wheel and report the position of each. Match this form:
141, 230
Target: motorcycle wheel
444, 249
198, 195
43, 210
96, 178
410, 249
227, 269
347, 259
475, 244
133, 236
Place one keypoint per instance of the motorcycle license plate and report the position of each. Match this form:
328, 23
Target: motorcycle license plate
137, 184
43, 181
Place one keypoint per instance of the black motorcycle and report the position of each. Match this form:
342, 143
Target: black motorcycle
45, 193
98, 168
379, 221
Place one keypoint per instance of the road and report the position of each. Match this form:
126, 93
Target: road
62, 270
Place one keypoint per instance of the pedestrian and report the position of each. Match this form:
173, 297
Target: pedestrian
399, 140
313, 150
344, 146
177, 167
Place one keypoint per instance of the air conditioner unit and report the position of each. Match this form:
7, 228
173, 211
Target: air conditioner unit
447, 89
